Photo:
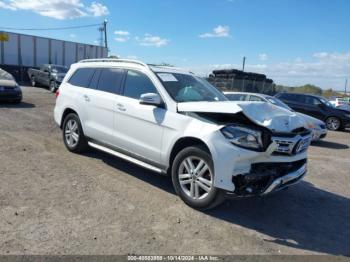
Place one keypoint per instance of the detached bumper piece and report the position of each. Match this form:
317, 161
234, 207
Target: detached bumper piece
265, 178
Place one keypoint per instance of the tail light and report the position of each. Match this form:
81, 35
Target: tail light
57, 93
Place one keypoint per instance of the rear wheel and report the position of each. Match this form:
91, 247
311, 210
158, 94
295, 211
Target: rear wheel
73, 135
333, 123
33, 81
53, 87
193, 178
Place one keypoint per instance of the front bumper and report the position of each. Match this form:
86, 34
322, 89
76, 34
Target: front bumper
236, 168
265, 178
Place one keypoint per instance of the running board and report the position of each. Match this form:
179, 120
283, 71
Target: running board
127, 158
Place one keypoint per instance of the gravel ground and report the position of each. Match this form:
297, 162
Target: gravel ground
56, 202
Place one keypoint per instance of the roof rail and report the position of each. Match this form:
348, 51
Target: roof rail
108, 60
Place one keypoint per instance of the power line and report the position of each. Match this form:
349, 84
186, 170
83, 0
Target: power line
50, 28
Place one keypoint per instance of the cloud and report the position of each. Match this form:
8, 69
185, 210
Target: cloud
58, 9
150, 40
327, 70
6, 6
97, 9
72, 35
219, 31
121, 36
263, 57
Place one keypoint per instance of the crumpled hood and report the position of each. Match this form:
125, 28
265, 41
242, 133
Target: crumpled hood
270, 116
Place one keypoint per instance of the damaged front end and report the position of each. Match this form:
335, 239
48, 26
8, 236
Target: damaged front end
265, 178
264, 147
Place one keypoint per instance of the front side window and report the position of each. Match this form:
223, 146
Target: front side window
82, 77
137, 84
189, 88
312, 101
110, 80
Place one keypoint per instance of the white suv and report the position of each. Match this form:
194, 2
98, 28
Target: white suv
176, 123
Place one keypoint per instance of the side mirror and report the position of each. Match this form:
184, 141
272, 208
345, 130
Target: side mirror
151, 99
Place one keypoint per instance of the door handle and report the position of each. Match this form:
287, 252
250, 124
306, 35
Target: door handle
121, 107
87, 99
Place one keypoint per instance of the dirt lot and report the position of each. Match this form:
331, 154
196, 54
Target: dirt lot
53, 201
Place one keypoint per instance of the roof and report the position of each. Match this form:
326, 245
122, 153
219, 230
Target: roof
135, 64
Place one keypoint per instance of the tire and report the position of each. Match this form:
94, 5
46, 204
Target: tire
191, 188
333, 123
53, 87
17, 101
73, 135
32, 81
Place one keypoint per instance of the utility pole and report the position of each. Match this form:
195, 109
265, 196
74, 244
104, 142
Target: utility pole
105, 31
346, 83
243, 63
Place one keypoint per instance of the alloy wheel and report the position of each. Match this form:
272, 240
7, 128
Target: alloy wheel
72, 133
195, 177
333, 123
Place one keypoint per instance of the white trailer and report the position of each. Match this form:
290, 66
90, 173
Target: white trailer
18, 52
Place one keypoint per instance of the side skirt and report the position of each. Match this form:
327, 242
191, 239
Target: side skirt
127, 158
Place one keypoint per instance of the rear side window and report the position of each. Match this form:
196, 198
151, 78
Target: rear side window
110, 80
236, 97
82, 77
137, 84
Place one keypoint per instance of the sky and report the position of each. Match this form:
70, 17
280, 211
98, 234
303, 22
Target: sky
294, 42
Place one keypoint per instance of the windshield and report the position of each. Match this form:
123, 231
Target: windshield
59, 69
326, 102
189, 88
278, 102
5, 76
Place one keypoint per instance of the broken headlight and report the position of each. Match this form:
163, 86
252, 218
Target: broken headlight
243, 137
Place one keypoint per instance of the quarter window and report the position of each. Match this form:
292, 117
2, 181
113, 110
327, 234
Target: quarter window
137, 84
256, 98
236, 97
82, 77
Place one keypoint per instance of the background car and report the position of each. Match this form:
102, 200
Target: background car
49, 75
317, 126
318, 107
337, 101
9, 89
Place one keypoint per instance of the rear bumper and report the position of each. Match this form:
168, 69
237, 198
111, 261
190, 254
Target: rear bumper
12, 95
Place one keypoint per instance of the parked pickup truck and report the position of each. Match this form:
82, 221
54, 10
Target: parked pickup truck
48, 75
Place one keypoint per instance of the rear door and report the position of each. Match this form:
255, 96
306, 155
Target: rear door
100, 100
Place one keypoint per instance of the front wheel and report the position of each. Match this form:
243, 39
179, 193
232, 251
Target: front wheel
73, 135
333, 123
193, 178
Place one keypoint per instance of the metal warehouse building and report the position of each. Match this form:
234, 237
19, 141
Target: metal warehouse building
18, 52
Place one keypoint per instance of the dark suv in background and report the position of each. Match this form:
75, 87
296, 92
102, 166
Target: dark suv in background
318, 107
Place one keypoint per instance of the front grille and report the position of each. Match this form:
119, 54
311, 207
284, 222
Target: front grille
291, 145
